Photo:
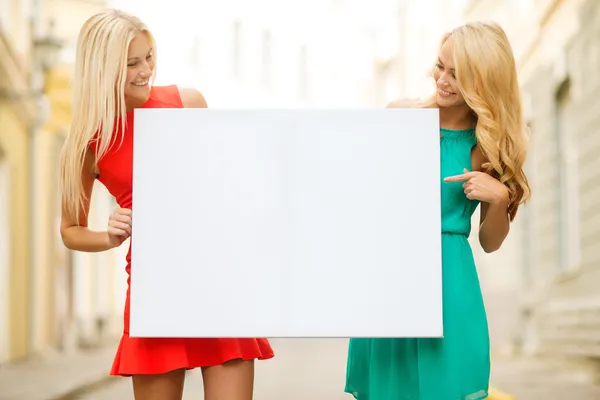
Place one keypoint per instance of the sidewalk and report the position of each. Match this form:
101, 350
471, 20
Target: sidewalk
57, 377
545, 379
68, 377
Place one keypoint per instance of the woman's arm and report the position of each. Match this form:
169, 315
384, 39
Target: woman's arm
494, 224
79, 237
494, 221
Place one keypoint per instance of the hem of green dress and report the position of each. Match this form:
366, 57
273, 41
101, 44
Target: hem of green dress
481, 395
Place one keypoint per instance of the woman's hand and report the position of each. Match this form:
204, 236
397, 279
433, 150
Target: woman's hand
119, 226
481, 186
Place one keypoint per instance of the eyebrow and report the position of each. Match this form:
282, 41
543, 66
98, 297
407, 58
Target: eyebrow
440, 61
137, 58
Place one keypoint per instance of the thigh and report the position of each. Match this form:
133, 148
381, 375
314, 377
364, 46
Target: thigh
168, 386
233, 380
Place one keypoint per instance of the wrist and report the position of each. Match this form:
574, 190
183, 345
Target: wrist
501, 198
110, 244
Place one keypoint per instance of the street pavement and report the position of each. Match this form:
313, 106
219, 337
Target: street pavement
50, 376
302, 369
546, 379
315, 369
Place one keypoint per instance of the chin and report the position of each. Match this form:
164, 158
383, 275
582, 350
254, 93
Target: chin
445, 102
137, 99
441, 102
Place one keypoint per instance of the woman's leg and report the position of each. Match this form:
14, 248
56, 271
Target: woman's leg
233, 380
168, 386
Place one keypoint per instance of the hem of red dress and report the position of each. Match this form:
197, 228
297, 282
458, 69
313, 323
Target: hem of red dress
128, 374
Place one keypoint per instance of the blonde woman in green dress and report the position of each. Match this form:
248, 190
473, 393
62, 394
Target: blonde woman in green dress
482, 150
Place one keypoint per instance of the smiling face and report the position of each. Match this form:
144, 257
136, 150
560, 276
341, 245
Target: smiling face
448, 93
140, 65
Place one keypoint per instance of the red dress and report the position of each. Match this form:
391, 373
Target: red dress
155, 355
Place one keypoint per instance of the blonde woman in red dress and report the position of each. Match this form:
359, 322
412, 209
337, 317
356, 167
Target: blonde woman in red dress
113, 73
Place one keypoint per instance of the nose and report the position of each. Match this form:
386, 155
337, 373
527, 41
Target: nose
442, 83
445, 77
146, 71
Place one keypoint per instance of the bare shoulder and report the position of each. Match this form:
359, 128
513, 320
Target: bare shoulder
192, 98
401, 103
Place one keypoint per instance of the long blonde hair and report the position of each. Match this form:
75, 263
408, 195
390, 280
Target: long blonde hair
487, 76
98, 97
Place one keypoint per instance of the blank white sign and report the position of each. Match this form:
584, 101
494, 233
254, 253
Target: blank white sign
286, 223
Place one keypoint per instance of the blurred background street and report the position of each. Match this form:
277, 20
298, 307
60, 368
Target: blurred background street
61, 311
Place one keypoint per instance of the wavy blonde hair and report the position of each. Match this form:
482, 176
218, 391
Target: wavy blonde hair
487, 77
98, 97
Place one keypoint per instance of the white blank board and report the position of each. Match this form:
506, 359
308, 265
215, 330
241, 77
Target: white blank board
286, 223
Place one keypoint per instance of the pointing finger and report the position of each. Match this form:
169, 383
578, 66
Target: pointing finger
457, 178
462, 177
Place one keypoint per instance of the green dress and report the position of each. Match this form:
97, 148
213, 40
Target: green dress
456, 367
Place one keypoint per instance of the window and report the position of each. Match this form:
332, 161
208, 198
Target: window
387, 85
195, 57
303, 72
267, 60
237, 49
568, 183
525, 217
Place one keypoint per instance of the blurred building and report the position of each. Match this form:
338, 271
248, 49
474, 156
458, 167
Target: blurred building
50, 299
408, 38
551, 265
297, 54
18, 115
